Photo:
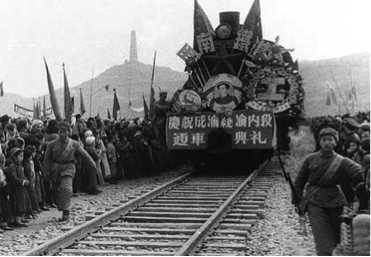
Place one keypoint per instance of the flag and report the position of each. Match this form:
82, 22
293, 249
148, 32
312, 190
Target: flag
82, 106
108, 114
34, 110
53, 98
106, 87
201, 24
146, 110
116, 105
68, 110
151, 112
253, 22
73, 104
1, 89
332, 93
44, 108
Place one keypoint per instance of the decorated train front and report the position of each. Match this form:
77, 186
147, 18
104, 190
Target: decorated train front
242, 93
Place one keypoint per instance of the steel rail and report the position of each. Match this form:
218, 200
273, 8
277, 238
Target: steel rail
190, 246
57, 244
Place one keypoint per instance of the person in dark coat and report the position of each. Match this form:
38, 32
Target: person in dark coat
320, 175
17, 182
4, 200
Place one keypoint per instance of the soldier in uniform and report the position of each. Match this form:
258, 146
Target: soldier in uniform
320, 175
59, 165
162, 106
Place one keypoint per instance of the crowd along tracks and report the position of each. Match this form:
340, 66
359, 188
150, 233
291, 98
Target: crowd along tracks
190, 215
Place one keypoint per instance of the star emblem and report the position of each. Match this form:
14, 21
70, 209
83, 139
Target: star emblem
223, 58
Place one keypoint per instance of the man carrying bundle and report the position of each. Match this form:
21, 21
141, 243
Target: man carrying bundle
59, 165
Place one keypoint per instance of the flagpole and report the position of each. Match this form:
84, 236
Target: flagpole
91, 90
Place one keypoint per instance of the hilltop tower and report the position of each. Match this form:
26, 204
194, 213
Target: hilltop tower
133, 47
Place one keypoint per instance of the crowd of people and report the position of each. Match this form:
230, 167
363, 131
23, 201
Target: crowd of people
334, 182
43, 163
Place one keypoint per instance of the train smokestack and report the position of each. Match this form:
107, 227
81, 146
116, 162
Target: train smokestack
231, 18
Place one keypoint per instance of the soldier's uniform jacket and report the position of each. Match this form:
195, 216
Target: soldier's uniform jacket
321, 192
59, 158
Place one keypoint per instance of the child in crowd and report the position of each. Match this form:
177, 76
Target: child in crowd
29, 171
17, 182
112, 157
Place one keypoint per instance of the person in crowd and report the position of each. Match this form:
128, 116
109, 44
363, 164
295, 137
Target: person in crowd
162, 106
364, 129
29, 171
17, 182
4, 202
350, 127
91, 177
59, 165
51, 133
77, 180
143, 161
125, 151
320, 174
352, 147
112, 157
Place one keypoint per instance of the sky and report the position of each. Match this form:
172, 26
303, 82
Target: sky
90, 36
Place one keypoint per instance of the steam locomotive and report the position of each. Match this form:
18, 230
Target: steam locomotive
242, 94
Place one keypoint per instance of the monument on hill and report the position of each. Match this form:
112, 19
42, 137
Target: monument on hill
133, 47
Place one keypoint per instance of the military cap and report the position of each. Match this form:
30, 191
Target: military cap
63, 125
329, 132
351, 122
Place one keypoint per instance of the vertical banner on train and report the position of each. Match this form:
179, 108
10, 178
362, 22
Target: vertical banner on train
249, 129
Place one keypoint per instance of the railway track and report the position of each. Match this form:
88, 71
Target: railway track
190, 215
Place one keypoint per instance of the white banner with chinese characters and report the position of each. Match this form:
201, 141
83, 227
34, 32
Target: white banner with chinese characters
249, 129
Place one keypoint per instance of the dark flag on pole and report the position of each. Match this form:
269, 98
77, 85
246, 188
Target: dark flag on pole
253, 21
53, 97
151, 112
67, 98
44, 108
201, 24
1, 89
116, 105
146, 110
82, 105
108, 114
106, 87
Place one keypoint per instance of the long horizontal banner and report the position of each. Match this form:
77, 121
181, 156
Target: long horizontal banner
29, 113
249, 129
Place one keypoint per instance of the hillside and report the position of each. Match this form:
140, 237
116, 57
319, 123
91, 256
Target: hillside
355, 68
131, 80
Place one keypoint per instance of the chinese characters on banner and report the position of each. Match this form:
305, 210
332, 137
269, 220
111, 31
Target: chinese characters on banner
249, 129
